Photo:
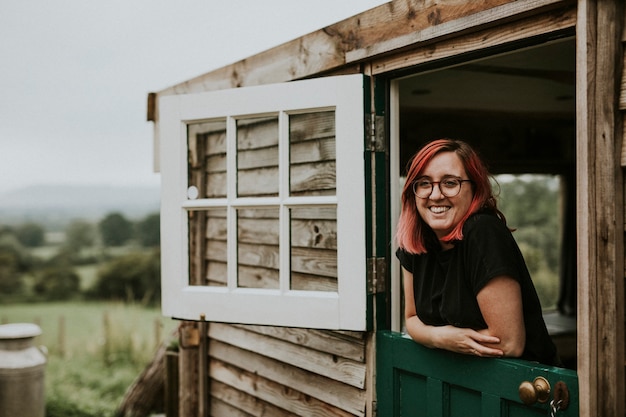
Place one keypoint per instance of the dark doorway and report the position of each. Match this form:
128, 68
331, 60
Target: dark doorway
518, 110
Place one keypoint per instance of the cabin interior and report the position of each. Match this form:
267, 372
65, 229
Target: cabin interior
517, 108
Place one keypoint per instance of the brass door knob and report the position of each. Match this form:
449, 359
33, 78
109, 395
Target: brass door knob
536, 391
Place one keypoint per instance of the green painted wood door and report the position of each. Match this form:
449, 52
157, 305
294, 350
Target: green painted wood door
414, 381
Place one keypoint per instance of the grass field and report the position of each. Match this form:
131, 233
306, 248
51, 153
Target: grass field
95, 351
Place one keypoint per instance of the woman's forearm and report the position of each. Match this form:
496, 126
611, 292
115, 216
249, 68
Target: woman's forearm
455, 339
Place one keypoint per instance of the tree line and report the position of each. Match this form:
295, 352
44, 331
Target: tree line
124, 254
128, 260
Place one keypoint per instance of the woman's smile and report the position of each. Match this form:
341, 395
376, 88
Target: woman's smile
439, 209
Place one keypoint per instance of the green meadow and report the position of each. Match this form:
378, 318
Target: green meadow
95, 351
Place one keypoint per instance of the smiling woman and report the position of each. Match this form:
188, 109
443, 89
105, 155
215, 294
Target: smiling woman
466, 285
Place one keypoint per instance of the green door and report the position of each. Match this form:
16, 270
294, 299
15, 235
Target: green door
414, 381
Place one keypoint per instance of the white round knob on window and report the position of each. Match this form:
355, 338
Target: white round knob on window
192, 192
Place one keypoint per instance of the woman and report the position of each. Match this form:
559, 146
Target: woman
466, 285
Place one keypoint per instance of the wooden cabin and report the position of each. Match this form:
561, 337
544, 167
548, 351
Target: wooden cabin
281, 179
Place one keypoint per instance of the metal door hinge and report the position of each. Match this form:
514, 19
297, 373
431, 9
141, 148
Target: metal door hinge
375, 128
376, 275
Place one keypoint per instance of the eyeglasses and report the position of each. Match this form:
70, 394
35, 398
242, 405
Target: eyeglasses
448, 186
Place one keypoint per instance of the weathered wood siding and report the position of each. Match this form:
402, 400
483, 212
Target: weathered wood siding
257, 157
312, 154
258, 371
207, 229
258, 248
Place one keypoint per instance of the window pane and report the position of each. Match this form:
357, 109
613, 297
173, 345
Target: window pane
207, 247
313, 248
257, 157
533, 206
258, 258
312, 154
207, 159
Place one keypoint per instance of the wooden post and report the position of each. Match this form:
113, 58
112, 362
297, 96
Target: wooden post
157, 332
106, 350
600, 209
172, 404
61, 336
188, 369
203, 369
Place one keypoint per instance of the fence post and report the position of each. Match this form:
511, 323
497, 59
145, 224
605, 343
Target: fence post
61, 336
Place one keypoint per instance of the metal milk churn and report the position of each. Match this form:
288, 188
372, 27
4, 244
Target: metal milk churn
22, 367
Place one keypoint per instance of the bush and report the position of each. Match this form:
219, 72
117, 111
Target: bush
57, 283
115, 230
132, 277
79, 235
149, 231
10, 279
14, 262
30, 234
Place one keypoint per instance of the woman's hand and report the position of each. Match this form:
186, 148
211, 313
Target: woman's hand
466, 341
455, 339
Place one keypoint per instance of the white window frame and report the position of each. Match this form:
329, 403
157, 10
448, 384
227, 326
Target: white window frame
344, 309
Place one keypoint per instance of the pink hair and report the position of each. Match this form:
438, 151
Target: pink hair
410, 234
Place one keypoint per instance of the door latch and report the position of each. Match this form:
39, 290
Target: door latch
536, 391
539, 391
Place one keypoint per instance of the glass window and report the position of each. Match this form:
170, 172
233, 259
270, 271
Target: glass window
263, 215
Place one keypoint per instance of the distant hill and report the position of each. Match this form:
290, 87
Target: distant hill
57, 205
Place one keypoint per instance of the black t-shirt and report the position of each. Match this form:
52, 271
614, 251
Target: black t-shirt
446, 283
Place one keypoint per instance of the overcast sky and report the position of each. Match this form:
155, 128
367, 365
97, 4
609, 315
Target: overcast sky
75, 74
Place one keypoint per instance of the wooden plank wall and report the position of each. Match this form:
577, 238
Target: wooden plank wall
264, 370
277, 371
258, 255
207, 229
600, 197
313, 229
257, 157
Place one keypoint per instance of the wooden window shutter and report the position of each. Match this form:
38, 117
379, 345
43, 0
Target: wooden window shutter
263, 204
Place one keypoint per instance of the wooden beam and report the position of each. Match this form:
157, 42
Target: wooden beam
599, 206
470, 17
188, 369
390, 26
550, 22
